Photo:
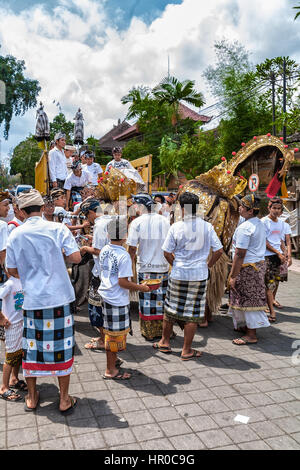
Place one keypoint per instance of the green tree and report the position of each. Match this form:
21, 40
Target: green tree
60, 124
193, 156
20, 92
171, 91
244, 91
298, 13
23, 159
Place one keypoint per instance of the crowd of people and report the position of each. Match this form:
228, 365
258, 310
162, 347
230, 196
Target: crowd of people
70, 233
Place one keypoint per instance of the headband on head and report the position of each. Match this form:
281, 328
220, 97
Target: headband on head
250, 202
30, 198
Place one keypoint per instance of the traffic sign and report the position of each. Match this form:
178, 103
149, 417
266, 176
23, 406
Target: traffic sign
253, 182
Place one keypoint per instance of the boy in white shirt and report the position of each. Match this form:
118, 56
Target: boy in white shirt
12, 300
115, 269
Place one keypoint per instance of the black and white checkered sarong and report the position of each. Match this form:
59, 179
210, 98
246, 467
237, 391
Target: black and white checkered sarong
116, 319
185, 300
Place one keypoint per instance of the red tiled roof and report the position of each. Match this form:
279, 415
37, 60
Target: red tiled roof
186, 112
132, 130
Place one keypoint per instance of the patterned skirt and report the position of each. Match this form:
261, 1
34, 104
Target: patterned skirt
250, 291
116, 320
273, 275
185, 301
13, 344
48, 341
152, 303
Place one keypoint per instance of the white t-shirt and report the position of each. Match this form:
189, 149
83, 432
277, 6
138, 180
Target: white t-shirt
149, 232
12, 297
11, 227
274, 233
121, 165
57, 164
100, 239
94, 169
115, 263
190, 241
3, 235
287, 229
35, 249
251, 236
78, 181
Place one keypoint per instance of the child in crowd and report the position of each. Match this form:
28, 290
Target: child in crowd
12, 301
116, 268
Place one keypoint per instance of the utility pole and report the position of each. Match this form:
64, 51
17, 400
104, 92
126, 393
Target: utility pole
272, 77
284, 98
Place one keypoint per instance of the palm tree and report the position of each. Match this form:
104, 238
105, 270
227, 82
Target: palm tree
298, 13
171, 91
138, 98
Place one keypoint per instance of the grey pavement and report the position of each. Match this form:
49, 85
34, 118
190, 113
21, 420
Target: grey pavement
174, 405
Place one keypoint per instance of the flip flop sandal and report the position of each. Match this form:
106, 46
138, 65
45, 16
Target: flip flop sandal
195, 354
162, 349
244, 342
10, 393
277, 304
92, 346
119, 376
272, 319
20, 385
119, 362
30, 410
70, 410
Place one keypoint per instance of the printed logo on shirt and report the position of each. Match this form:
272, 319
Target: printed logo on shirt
19, 299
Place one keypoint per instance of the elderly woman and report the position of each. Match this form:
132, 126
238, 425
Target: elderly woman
247, 300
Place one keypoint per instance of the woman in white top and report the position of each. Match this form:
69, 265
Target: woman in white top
247, 299
275, 233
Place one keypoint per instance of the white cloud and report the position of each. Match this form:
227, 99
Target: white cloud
80, 61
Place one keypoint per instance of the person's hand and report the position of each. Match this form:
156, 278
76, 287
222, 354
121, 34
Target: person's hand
144, 288
231, 283
83, 250
4, 321
86, 223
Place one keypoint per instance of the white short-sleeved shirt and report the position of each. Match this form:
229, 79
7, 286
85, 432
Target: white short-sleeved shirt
149, 232
12, 297
115, 263
251, 236
3, 235
190, 241
274, 233
100, 239
35, 249
57, 164
94, 169
287, 229
121, 165
79, 181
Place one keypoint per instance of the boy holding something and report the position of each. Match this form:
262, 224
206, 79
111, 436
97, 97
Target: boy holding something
116, 268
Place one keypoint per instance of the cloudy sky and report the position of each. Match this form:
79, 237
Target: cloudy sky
89, 53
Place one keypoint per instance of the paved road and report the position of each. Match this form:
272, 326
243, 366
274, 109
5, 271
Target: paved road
170, 404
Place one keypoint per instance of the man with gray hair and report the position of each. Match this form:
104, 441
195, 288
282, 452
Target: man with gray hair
57, 162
